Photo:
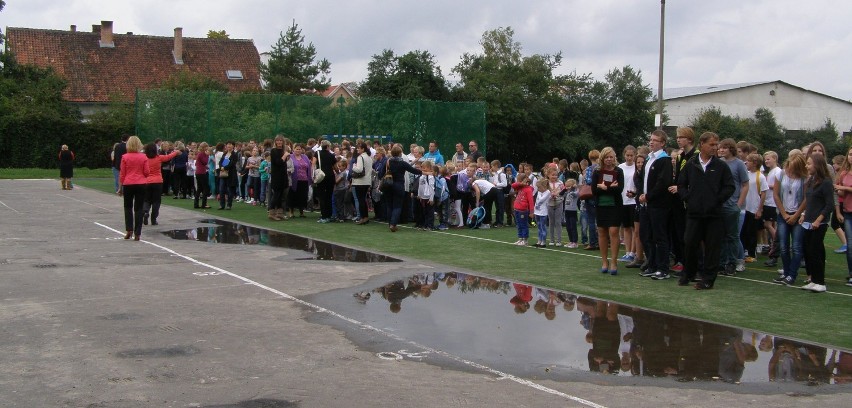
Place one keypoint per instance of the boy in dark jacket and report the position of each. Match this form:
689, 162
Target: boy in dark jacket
704, 184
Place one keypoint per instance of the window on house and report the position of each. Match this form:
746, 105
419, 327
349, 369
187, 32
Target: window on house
234, 74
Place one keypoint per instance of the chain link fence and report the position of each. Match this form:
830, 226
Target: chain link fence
216, 117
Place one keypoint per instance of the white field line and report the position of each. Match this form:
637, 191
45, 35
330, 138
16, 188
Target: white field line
84, 202
500, 374
4, 205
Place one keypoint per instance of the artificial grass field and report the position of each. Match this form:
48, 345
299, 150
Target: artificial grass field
748, 300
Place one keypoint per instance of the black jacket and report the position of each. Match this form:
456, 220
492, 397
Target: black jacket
705, 192
659, 179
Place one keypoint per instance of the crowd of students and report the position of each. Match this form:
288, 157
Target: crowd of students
671, 224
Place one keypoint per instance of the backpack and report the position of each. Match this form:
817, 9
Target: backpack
441, 191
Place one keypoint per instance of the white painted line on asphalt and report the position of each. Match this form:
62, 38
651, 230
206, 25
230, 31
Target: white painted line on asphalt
84, 202
4, 205
321, 309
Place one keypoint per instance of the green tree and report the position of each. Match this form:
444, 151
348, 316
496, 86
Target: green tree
291, 68
523, 118
218, 35
411, 76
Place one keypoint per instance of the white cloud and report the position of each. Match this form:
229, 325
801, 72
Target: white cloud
724, 41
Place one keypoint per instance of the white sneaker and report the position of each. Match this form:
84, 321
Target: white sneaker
818, 288
808, 286
740, 265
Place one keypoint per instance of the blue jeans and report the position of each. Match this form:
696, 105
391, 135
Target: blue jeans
584, 229
522, 222
731, 242
847, 229
591, 221
541, 220
115, 174
791, 240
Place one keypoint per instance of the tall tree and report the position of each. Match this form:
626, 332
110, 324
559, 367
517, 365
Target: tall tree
219, 35
184, 80
291, 68
411, 76
523, 118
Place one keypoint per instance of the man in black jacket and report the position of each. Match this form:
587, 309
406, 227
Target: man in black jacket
704, 184
654, 230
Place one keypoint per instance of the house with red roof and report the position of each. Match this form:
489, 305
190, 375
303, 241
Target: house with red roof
101, 66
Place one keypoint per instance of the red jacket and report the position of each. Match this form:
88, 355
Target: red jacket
134, 169
524, 201
156, 175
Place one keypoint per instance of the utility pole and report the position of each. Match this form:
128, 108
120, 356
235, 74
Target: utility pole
659, 118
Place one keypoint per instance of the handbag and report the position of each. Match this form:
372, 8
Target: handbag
319, 175
586, 192
223, 173
387, 181
359, 174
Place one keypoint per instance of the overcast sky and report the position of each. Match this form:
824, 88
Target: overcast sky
805, 43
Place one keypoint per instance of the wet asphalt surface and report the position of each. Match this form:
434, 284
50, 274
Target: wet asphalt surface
92, 320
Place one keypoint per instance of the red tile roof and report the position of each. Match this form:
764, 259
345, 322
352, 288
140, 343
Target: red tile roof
137, 61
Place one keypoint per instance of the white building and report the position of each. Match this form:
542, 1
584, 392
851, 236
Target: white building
794, 108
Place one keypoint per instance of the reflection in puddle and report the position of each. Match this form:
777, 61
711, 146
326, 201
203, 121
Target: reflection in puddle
517, 326
226, 232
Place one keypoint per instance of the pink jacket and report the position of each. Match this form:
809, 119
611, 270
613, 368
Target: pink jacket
134, 169
156, 175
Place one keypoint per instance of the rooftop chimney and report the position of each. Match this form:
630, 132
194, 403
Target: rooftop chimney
73, 28
96, 28
178, 51
106, 35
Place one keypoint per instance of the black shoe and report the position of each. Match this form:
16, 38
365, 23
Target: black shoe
154, 222
681, 282
728, 271
145, 219
771, 262
660, 275
644, 266
703, 286
779, 280
646, 273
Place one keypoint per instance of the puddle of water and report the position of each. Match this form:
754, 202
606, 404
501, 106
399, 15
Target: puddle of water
518, 327
226, 232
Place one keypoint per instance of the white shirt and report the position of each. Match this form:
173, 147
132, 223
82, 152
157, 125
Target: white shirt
756, 184
704, 164
484, 187
651, 158
771, 178
629, 171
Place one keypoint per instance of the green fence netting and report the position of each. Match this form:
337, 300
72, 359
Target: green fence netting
216, 117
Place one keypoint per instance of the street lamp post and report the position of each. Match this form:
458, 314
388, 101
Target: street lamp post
659, 118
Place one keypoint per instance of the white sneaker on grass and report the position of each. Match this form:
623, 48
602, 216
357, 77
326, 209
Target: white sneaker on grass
818, 288
809, 286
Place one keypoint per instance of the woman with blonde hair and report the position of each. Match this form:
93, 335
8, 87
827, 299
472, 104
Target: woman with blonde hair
133, 177
66, 167
607, 183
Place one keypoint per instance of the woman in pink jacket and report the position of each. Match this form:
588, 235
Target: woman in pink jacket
134, 180
154, 193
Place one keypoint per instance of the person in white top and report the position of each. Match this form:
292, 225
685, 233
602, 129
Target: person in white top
628, 199
770, 212
755, 197
498, 178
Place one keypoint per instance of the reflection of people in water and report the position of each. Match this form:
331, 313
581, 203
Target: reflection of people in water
653, 349
605, 337
396, 291
546, 303
841, 367
733, 354
794, 361
522, 298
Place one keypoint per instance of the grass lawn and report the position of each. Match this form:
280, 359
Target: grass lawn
747, 300
32, 173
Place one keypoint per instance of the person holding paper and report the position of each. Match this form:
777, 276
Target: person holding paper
607, 183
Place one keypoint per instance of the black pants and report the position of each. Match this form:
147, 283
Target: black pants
654, 233
153, 197
361, 196
709, 232
678, 230
202, 189
748, 234
488, 203
134, 197
324, 192
815, 254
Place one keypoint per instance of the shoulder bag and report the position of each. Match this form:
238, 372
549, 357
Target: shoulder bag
319, 175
